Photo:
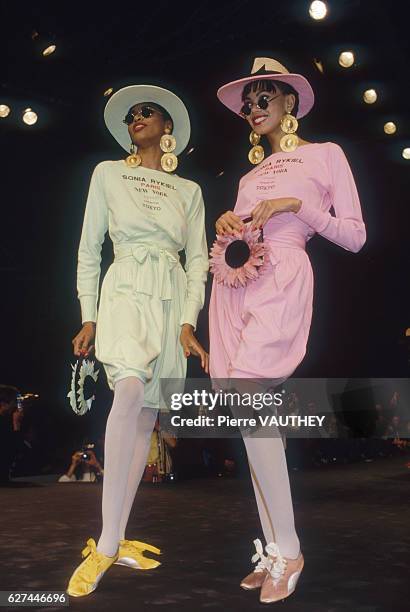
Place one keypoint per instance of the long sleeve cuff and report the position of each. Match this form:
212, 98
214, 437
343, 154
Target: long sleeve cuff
317, 219
190, 313
88, 308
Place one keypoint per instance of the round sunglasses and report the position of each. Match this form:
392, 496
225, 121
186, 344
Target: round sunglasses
145, 112
262, 104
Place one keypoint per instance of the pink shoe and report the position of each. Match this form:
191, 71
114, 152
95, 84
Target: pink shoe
282, 578
257, 577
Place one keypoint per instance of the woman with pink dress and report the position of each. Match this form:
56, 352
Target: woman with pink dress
259, 327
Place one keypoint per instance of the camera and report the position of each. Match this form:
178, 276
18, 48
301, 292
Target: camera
85, 454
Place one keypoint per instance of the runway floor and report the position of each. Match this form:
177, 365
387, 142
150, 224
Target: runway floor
353, 523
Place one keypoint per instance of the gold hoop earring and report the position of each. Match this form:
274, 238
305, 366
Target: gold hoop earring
256, 154
134, 159
169, 160
290, 141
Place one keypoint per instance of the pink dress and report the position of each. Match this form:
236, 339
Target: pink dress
261, 330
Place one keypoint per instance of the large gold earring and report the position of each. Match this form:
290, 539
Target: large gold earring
169, 161
290, 141
134, 159
256, 154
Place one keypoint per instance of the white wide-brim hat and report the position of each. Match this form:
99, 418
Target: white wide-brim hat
265, 68
122, 100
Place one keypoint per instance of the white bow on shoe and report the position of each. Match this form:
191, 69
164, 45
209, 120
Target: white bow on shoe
264, 562
278, 567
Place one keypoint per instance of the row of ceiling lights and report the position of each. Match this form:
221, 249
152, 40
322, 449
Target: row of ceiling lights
317, 10
29, 116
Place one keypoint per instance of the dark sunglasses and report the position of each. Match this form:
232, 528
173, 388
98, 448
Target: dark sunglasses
144, 112
262, 104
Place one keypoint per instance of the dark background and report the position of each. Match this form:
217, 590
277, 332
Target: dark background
361, 307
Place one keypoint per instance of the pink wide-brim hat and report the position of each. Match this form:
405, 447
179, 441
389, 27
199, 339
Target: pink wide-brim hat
265, 68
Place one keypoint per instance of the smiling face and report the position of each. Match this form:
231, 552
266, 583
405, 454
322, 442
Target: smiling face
267, 120
147, 131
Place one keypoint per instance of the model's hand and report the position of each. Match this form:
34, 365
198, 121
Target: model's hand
228, 223
192, 346
267, 208
82, 343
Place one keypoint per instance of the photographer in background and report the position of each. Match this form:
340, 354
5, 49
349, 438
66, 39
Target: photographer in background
159, 461
85, 467
11, 416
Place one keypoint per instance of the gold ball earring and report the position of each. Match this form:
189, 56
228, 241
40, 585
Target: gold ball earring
256, 154
290, 141
134, 159
169, 160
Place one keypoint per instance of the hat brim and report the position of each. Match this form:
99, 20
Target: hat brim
231, 94
121, 101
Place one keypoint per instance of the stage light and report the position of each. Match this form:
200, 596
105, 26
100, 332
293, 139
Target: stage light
4, 110
318, 10
220, 174
49, 50
29, 116
346, 59
190, 150
406, 153
370, 96
319, 65
108, 92
390, 127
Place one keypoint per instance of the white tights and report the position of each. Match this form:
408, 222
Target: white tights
127, 441
270, 479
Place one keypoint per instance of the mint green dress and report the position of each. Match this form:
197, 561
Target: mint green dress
146, 294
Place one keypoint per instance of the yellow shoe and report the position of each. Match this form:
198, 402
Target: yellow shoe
130, 554
88, 574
